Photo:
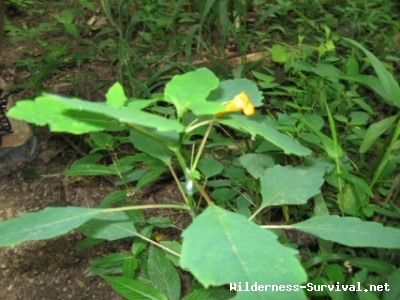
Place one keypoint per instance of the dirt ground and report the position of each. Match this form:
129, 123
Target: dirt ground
51, 269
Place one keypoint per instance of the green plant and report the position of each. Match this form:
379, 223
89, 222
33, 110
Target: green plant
230, 239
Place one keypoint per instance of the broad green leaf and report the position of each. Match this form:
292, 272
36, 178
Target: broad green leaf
113, 198
123, 114
221, 195
45, 224
222, 247
290, 185
163, 275
129, 267
358, 118
320, 207
352, 66
328, 144
161, 222
45, 110
351, 231
253, 127
110, 226
205, 108
149, 177
192, 87
77, 116
210, 294
155, 144
314, 120
115, 95
335, 273
375, 131
103, 141
358, 182
139, 244
133, 175
321, 69
388, 82
110, 264
280, 54
174, 246
394, 283
210, 167
256, 164
228, 89
134, 289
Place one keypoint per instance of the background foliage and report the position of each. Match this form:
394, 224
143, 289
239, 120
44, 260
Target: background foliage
320, 155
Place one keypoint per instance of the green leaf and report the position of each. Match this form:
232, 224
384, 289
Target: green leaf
109, 264
163, 275
149, 177
133, 175
111, 226
253, 127
351, 231
256, 164
95, 170
155, 144
192, 87
394, 283
352, 66
358, 118
205, 108
134, 289
210, 294
46, 110
129, 267
333, 150
116, 96
221, 195
103, 141
222, 247
113, 198
77, 116
314, 120
210, 167
386, 79
357, 181
321, 69
174, 246
290, 185
139, 244
280, 54
375, 131
45, 224
161, 222
228, 89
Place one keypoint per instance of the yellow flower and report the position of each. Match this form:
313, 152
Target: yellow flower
241, 102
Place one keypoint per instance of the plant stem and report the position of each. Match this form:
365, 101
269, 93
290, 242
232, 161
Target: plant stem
336, 158
148, 206
202, 144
